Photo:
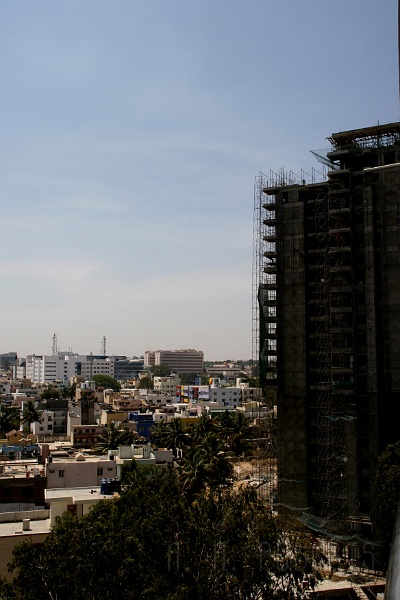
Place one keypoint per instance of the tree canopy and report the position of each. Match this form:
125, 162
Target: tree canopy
30, 414
106, 381
9, 419
160, 370
153, 543
146, 383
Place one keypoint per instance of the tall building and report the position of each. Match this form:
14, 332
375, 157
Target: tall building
327, 288
179, 361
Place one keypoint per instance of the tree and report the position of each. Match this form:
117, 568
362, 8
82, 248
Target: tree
9, 420
151, 543
160, 370
160, 433
112, 438
146, 383
205, 466
30, 414
176, 438
235, 431
50, 392
107, 382
188, 378
69, 391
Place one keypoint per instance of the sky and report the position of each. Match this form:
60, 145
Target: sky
131, 133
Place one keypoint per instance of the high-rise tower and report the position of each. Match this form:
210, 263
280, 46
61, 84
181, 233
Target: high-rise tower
328, 293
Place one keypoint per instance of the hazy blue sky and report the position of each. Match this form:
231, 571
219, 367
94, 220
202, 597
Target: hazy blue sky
130, 135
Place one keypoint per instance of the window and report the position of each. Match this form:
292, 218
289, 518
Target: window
270, 278
270, 247
271, 311
61, 472
271, 295
272, 344
271, 328
99, 472
109, 469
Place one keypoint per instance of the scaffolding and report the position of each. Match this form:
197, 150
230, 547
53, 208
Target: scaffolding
329, 379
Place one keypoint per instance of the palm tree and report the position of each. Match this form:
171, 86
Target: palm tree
9, 419
30, 414
176, 438
112, 438
192, 472
235, 430
219, 471
202, 426
160, 434
205, 466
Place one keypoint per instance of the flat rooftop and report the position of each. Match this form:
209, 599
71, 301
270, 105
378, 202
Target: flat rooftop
78, 494
15, 528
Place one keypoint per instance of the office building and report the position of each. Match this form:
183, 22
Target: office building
179, 361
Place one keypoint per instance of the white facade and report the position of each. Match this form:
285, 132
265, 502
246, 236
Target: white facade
62, 367
79, 472
166, 385
46, 425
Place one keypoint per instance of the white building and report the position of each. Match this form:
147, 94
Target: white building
166, 385
63, 366
46, 425
79, 471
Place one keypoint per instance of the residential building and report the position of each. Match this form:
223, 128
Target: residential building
46, 424
144, 423
328, 258
86, 436
77, 501
179, 361
78, 471
166, 385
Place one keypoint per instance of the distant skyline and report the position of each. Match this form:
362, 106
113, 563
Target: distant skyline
131, 132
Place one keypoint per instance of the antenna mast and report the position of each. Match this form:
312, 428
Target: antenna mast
103, 346
54, 347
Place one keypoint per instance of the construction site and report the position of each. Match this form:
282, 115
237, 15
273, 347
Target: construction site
326, 329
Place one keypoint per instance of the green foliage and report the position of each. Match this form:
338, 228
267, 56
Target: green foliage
107, 382
69, 391
151, 543
49, 392
235, 431
112, 438
30, 414
146, 383
160, 370
9, 420
189, 378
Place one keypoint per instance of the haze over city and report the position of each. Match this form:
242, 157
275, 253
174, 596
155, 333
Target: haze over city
131, 133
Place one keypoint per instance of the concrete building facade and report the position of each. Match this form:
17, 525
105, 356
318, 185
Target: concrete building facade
180, 361
329, 316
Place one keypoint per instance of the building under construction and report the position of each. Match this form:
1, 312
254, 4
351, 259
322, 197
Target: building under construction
326, 320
